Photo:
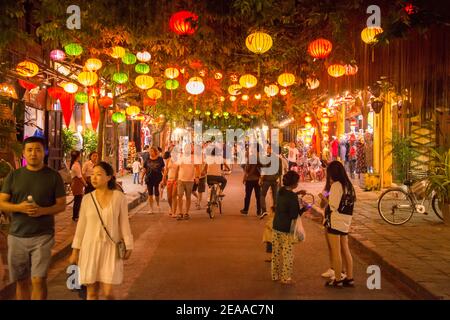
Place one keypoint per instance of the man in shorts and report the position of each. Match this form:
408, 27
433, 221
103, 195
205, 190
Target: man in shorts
188, 174
34, 194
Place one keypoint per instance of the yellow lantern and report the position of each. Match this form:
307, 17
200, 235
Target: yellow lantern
70, 87
312, 84
87, 78
93, 64
172, 73
271, 90
218, 76
308, 118
283, 92
222, 99
248, 81
308, 125
143, 56
144, 82
325, 128
117, 52
259, 42
258, 96
324, 110
27, 69
8, 90
233, 98
325, 120
336, 70
235, 89
286, 79
154, 94
245, 97
132, 110
195, 86
368, 35
325, 137
308, 140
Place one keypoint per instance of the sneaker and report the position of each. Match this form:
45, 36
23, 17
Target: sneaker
244, 212
262, 215
334, 284
349, 283
179, 217
328, 274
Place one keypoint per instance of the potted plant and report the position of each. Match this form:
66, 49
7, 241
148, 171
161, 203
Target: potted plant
439, 181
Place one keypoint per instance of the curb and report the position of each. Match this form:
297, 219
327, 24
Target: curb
365, 246
9, 289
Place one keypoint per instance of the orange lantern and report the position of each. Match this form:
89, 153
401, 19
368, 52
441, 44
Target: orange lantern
320, 48
93, 64
336, 70
351, 70
368, 35
172, 73
235, 89
144, 82
248, 81
27, 69
105, 101
87, 78
154, 94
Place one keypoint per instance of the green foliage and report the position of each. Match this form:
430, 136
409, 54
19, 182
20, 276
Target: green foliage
90, 140
68, 140
439, 176
402, 154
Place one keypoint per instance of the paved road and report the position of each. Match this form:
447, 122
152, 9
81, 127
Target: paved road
222, 258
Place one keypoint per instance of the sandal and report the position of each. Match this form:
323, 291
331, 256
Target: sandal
349, 283
186, 216
180, 217
334, 284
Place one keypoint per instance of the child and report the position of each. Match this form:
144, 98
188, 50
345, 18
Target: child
136, 169
267, 235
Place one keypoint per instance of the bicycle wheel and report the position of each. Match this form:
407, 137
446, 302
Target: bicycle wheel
395, 206
219, 204
436, 206
210, 207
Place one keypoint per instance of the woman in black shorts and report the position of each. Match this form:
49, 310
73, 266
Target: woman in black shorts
338, 217
153, 175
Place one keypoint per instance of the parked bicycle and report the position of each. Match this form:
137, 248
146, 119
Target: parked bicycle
396, 205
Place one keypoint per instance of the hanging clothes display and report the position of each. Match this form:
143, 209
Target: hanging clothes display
361, 166
368, 146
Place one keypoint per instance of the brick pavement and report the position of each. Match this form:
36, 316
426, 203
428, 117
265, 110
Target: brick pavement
65, 228
417, 253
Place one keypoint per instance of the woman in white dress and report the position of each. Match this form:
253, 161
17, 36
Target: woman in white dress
93, 251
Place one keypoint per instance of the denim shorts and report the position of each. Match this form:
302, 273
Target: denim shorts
29, 256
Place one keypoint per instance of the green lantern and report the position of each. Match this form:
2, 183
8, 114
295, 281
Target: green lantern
73, 49
208, 113
129, 58
120, 77
190, 110
142, 68
172, 84
226, 114
216, 114
118, 117
81, 97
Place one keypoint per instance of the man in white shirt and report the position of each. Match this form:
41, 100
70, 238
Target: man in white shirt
88, 169
293, 154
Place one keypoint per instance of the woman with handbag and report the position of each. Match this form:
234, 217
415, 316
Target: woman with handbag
338, 217
78, 183
287, 210
103, 238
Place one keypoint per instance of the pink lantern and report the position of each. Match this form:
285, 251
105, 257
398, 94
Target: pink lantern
57, 55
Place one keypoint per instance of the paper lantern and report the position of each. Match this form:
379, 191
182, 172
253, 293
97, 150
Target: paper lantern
87, 78
218, 75
171, 73
27, 69
239, 116
308, 140
325, 120
271, 90
142, 68
245, 97
27, 85
325, 128
105, 101
144, 82
336, 70
226, 114
368, 35
283, 92
120, 77
118, 117
133, 110
81, 97
57, 55
259, 42
7, 90
286, 79
70, 87
183, 23
67, 103
308, 125
351, 70
55, 92
129, 58
172, 84
117, 52
73, 49
235, 89
143, 56
222, 99
258, 96
93, 64
308, 118
233, 98
312, 84
325, 137
154, 94
320, 48
208, 113
248, 81
195, 86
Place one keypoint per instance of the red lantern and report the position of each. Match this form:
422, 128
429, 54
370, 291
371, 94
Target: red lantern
149, 102
67, 101
27, 85
105, 102
94, 111
55, 92
183, 23
320, 48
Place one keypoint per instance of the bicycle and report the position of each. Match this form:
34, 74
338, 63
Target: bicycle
396, 205
214, 200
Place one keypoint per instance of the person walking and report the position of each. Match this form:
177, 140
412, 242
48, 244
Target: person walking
87, 170
270, 173
170, 180
34, 194
188, 174
136, 166
286, 211
252, 173
153, 176
292, 155
103, 223
338, 217
199, 188
145, 155
78, 183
